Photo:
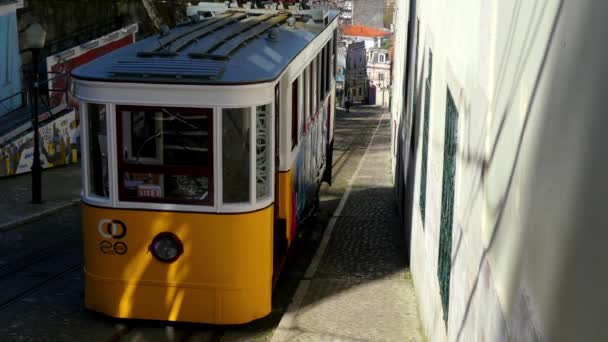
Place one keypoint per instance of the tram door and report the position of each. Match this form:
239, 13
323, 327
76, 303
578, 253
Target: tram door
280, 227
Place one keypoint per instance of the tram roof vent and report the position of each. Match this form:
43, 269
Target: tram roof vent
163, 68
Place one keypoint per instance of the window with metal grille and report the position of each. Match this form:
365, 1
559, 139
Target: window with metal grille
425, 139
450, 147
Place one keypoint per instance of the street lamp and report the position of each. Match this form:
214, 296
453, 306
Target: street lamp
34, 40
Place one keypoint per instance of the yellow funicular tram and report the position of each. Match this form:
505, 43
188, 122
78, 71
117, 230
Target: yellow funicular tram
203, 148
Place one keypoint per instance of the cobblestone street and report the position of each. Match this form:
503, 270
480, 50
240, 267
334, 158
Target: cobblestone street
358, 286
350, 283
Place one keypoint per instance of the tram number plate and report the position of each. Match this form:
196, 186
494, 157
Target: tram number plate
148, 191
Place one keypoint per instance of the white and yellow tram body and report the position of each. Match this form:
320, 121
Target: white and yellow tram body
202, 149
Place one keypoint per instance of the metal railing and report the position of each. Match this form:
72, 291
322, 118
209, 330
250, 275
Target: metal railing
7, 108
44, 99
83, 35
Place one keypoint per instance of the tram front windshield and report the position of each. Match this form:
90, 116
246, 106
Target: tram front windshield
166, 155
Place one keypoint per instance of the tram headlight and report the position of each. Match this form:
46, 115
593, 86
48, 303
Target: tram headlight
166, 247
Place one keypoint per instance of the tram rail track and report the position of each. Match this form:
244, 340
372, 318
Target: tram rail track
358, 142
37, 257
133, 331
4, 302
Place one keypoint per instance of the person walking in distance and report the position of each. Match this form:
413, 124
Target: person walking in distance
347, 104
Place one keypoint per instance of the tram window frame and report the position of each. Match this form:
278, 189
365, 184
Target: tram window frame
165, 172
264, 153
249, 119
95, 153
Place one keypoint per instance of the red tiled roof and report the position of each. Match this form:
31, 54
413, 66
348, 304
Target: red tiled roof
364, 31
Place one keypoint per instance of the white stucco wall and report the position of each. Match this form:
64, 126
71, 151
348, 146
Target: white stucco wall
399, 62
529, 234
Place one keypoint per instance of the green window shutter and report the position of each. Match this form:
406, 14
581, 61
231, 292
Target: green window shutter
447, 202
425, 139
425, 151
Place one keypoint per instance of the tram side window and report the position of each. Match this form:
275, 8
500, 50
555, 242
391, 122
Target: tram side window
263, 152
294, 113
165, 154
236, 130
319, 78
322, 71
98, 150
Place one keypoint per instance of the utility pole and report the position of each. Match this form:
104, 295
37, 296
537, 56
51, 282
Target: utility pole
34, 40
36, 164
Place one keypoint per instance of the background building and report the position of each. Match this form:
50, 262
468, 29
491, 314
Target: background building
368, 13
373, 37
10, 75
379, 75
344, 6
356, 72
389, 13
368, 64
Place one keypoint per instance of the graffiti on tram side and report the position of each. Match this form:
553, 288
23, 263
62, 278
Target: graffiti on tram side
309, 162
59, 145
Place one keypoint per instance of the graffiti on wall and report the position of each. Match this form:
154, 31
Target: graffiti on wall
59, 145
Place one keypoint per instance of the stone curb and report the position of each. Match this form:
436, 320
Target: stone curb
10, 225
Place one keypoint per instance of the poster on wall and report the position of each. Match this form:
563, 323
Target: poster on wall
59, 145
59, 128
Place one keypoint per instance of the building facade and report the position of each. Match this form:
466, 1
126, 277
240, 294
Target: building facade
10, 75
356, 83
499, 167
379, 75
366, 62
372, 36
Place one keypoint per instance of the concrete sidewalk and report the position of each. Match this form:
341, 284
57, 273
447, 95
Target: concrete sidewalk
60, 189
358, 286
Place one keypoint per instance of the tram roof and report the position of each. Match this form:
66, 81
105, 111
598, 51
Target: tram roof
234, 47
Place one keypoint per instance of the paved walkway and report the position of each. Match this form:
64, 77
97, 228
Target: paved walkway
60, 189
358, 286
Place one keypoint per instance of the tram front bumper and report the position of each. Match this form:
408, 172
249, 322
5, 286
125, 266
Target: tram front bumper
224, 275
